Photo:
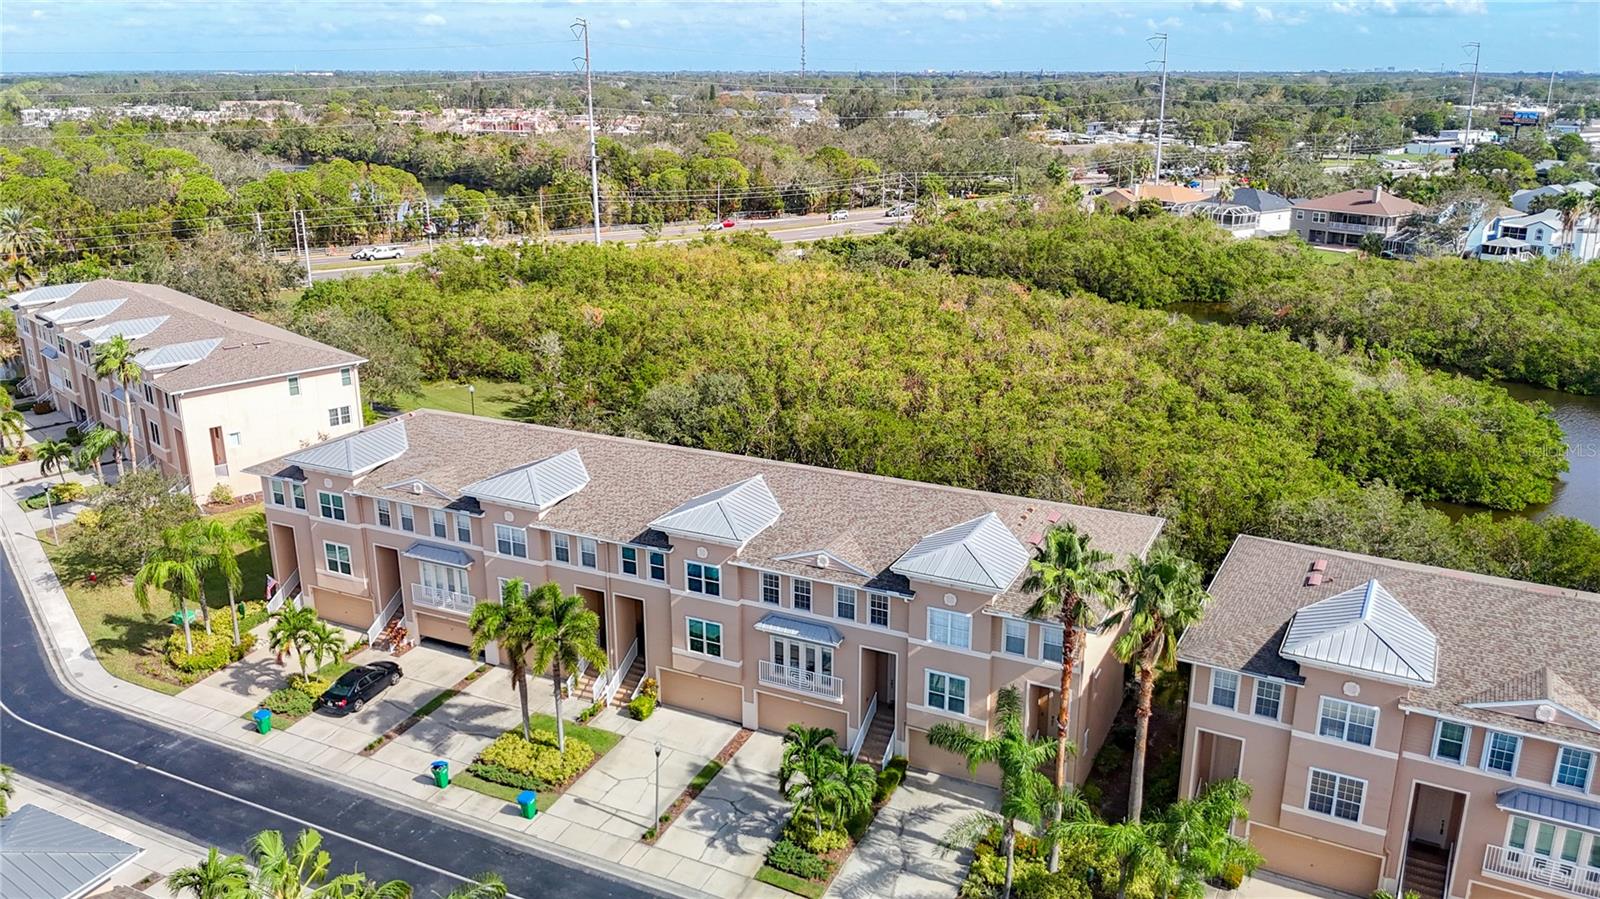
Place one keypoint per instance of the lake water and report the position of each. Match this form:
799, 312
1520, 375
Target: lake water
1577, 493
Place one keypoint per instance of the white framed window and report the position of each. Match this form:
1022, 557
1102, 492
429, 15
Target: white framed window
561, 547
947, 692
1014, 636
658, 565
336, 556
703, 579
800, 593
463, 527
1574, 767
1319, 217
344, 377
1051, 640
235, 439
630, 560
1500, 752
339, 415
950, 628
510, 541
149, 394
330, 505
1450, 741
878, 609
1224, 688
1335, 795
408, 520
275, 488
1299, 214
771, 588
588, 553
844, 602
798, 655
385, 513
294, 386
1347, 721
438, 524
155, 433
1269, 699
705, 637
297, 492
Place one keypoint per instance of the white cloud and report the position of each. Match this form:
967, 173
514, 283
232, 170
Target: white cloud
38, 14
431, 20
624, 24
954, 14
1264, 14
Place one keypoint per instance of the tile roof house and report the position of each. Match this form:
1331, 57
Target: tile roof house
1404, 726
1344, 218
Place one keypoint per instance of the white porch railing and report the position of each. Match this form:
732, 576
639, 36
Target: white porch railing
440, 598
1530, 867
382, 621
606, 685
801, 680
289, 588
888, 753
866, 725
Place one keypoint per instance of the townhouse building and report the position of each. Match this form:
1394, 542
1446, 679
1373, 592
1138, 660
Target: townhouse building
1403, 727
761, 592
218, 391
1344, 218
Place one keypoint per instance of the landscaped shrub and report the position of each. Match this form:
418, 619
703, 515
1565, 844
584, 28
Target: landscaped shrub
827, 841
889, 779
88, 519
539, 757
255, 611
311, 686
67, 492
505, 776
9, 459
649, 687
43, 407
221, 494
211, 651
642, 706
591, 711
287, 701
790, 858
74, 436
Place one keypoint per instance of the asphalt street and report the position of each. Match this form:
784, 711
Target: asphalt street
218, 796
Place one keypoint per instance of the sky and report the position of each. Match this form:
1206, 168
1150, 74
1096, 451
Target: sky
841, 35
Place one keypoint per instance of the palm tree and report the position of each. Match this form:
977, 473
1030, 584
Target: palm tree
54, 455
566, 636
221, 540
288, 872
355, 885
20, 235
290, 630
1198, 833
115, 359
175, 566
1139, 851
323, 643
512, 624
1159, 598
12, 424
810, 761
1571, 205
94, 446
1018, 756
1068, 575
217, 877
489, 885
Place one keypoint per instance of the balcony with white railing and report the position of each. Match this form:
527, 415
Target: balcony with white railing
440, 598
801, 680
1542, 870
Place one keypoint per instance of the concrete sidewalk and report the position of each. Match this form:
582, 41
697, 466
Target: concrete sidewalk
901, 855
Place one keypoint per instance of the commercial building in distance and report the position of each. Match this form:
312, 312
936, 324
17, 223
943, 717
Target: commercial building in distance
218, 391
761, 592
1403, 727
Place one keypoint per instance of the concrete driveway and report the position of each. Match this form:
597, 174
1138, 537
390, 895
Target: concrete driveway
427, 671
901, 856
736, 819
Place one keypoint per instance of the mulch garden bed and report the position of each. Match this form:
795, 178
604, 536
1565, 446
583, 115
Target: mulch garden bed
696, 786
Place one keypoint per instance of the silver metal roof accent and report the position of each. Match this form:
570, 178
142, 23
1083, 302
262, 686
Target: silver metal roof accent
132, 328
176, 355
800, 629
537, 485
46, 856
1364, 629
981, 554
82, 312
432, 552
356, 453
53, 293
731, 514
1551, 808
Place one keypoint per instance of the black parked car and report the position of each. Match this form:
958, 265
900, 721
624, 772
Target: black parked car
356, 687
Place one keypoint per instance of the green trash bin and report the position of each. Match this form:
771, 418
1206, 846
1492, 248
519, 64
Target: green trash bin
441, 773
529, 801
263, 719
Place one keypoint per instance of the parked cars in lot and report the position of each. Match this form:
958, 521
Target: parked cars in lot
382, 251
357, 687
838, 215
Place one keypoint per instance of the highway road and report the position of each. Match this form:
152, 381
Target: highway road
336, 263
218, 796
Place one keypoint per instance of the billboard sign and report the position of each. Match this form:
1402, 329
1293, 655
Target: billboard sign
1520, 117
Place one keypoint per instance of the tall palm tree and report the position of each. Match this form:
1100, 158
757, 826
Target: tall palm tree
288, 872
1017, 755
567, 635
1198, 832
810, 761
54, 455
12, 425
221, 540
1571, 205
323, 643
488, 885
1069, 576
218, 876
1159, 598
20, 234
96, 442
175, 566
114, 359
512, 624
291, 627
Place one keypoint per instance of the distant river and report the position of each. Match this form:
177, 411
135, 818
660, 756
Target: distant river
1577, 493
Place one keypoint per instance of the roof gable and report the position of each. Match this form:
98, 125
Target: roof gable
1539, 695
52, 293
82, 312
731, 514
131, 328
538, 485
824, 559
1364, 629
356, 453
981, 554
176, 355
46, 856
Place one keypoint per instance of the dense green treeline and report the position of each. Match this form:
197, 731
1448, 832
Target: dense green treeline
956, 380
1537, 322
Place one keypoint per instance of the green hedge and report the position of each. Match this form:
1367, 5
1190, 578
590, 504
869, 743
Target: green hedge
505, 776
642, 706
287, 701
211, 651
539, 757
794, 859
890, 778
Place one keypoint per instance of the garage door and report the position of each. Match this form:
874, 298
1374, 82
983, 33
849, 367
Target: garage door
449, 630
922, 754
703, 695
342, 608
1311, 860
776, 713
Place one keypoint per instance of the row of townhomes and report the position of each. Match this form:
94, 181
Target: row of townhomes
1403, 727
218, 391
760, 592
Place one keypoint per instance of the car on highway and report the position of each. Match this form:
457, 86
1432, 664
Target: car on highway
382, 251
718, 226
838, 215
476, 241
901, 211
357, 687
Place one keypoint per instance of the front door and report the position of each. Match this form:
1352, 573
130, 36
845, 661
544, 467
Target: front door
1430, 823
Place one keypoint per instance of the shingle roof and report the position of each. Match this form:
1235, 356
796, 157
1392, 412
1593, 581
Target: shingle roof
731, 514
1363, 629
355, 453
537, 484
1531, 689
1488, 629
1363, 202
245, 349
1259, 200
873, 519
982, 554
46, 856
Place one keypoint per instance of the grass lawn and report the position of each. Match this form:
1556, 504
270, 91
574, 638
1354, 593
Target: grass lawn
130, 641
783, 880
477, 784
496, 399
599, 740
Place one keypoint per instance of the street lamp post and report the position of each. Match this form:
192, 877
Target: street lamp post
656, 821
50, 506
472, 394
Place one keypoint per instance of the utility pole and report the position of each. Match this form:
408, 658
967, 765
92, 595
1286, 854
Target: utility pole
261, 241
1472, 102
802, 38
582, 27
1161, 114
1549, 99
427, 220
303, 241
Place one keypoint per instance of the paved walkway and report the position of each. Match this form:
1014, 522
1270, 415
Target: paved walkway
901, 856
736, 819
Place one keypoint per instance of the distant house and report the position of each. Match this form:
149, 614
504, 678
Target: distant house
1514, 237
1248, 213
1523, 200
1168, 195
1342, 219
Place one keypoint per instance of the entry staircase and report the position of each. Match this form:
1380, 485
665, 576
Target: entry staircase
879, 733
1425, 870
393, 639
630, 682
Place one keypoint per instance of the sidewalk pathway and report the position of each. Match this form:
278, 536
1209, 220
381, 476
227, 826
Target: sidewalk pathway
737, 818
901, 855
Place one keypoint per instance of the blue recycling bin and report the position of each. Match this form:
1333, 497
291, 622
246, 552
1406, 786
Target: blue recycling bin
441, 773
263, 720
529, 801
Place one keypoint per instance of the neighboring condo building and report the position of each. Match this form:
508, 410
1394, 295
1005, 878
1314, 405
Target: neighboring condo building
218, 390
1402, 726
761, 592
